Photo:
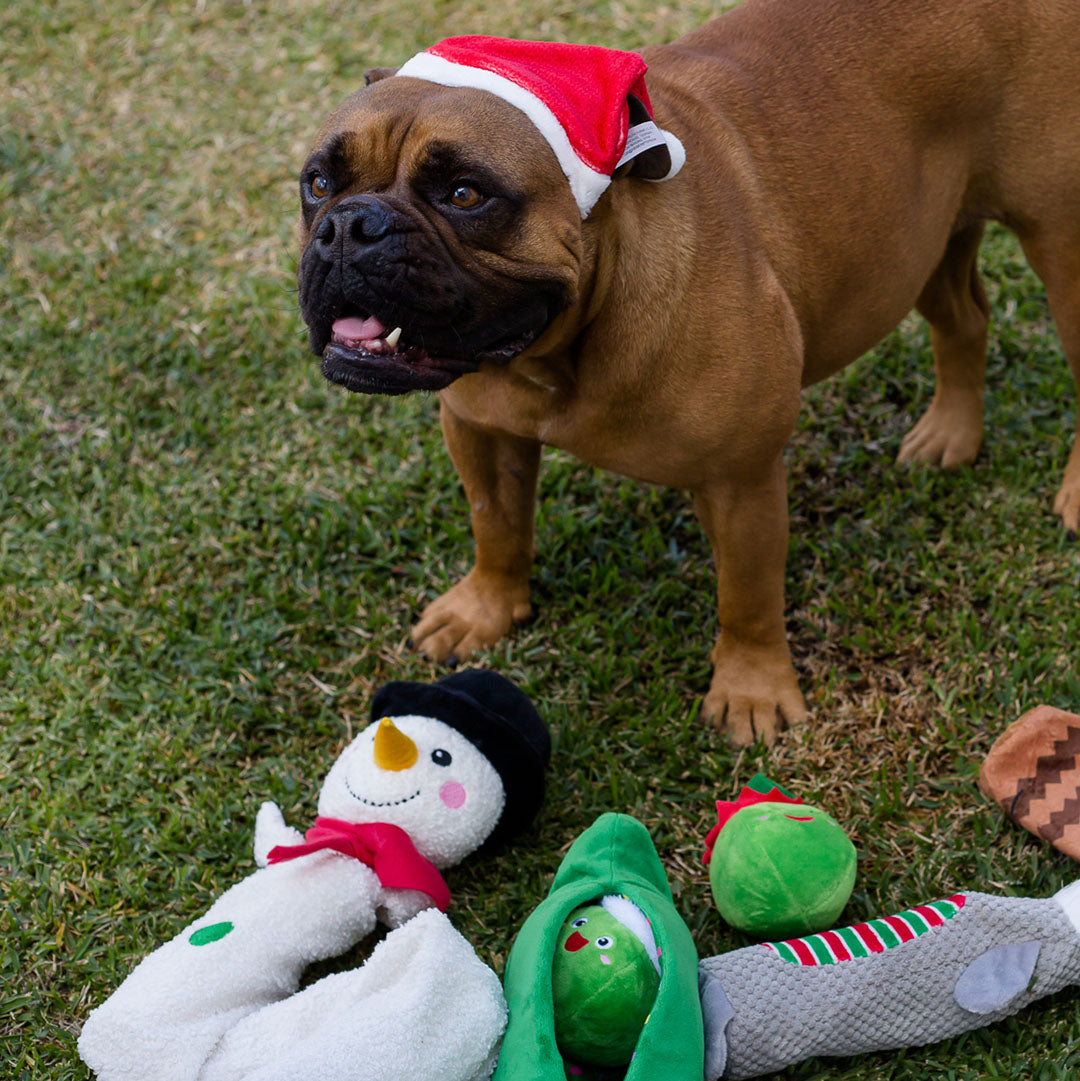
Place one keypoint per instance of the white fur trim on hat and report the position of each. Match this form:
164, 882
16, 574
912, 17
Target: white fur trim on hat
586, 184
678, 156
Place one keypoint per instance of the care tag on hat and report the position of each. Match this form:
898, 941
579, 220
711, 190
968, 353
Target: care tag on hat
639, 138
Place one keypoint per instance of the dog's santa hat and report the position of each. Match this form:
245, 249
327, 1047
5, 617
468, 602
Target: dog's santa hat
589, 103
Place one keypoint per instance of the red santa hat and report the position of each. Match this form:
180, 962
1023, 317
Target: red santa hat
578, 96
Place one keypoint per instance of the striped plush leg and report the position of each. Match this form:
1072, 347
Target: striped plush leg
925, 974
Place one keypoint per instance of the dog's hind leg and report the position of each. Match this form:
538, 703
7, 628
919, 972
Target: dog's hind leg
954, 303
1055, 256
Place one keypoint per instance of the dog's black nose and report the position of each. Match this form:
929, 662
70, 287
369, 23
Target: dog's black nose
356, 222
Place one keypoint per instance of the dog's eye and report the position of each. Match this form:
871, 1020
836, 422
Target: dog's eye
320, 186
465, 197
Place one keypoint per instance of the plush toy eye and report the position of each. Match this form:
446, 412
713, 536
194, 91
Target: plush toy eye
320, 186
604, 941
465, 197
441, 757
580, 921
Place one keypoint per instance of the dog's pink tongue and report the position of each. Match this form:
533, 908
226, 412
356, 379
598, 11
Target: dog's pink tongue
354, 329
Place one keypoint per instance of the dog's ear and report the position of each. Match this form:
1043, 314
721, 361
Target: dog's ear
653, 160
374, 75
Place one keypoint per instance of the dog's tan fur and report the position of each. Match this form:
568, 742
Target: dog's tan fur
842, 159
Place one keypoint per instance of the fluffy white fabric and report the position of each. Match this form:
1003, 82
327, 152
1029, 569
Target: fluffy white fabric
224, 990
635, 921
447, 810
422, 1008
163, 1021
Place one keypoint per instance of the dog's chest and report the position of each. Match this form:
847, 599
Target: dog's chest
638, 436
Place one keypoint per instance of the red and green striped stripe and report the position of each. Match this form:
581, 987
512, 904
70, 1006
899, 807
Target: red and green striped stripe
863, 939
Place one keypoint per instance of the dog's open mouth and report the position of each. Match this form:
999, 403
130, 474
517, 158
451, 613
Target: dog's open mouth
364, 356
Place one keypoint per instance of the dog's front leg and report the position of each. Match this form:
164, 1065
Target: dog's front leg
754, 692
499, 473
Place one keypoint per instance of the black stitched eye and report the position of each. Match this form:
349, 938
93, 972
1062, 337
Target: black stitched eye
604, 941
441, 757
580, 921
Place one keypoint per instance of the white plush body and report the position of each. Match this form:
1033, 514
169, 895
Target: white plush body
228, 1008
423, 1008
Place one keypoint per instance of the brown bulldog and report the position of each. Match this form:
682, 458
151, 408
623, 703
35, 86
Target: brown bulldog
842, 158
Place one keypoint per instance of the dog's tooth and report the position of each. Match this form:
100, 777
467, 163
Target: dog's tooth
393, 336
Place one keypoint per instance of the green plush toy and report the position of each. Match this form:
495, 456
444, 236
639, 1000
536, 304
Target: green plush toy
604, 979
778, 867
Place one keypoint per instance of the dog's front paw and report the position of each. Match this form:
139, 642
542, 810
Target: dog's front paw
754, 692
1067, 500
948, 434
475, 613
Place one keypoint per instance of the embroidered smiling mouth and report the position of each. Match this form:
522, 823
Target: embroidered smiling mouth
375, 803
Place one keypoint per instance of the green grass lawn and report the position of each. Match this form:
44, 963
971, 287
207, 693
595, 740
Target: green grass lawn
209, 558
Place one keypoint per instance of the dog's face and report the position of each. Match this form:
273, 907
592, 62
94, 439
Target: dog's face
438, 234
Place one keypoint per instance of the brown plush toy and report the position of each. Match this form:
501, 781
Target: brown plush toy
1033, 772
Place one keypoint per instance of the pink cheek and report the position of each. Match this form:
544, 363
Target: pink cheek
452, 794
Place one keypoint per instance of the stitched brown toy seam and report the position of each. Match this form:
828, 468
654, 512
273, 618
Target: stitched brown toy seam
1048, 771
1062, 820
1052, 808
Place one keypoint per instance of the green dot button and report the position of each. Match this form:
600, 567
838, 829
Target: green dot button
212, 933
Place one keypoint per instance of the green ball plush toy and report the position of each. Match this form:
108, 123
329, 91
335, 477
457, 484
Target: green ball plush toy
604, 979
777, 867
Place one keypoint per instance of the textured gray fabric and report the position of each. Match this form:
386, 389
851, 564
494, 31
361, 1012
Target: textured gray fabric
902, 997
716, 1013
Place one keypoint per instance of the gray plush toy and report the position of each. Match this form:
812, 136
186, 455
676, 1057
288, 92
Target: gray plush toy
930, 972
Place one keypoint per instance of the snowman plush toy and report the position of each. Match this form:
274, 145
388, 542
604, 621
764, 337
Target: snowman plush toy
445, 768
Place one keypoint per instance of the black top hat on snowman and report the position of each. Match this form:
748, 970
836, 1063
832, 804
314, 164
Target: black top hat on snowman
497, 718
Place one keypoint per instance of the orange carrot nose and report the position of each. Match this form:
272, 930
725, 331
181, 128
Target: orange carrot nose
393, 749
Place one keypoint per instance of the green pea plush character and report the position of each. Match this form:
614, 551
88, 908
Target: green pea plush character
778, 868
604, 979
